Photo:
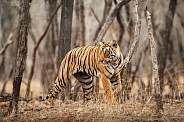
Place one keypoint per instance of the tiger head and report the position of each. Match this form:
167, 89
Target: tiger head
109, 52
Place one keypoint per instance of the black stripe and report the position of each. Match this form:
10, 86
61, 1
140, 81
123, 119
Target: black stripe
89, 71
74, 60
78, 57
64, 83
86, 94
96, 63
85, 78
63, 67
57, 88
107, 90
116, 83
86, 83
61, 85
85, 89
106, 76
87, 98
108, 71
84, 66
68, 67
113, 81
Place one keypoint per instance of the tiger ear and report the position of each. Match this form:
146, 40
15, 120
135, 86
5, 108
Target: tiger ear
100, 43
114, 43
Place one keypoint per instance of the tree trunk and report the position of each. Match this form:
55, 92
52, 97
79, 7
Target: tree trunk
65, 33
21, 55
165, 35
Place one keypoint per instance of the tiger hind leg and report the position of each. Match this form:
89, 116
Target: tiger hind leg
87, 86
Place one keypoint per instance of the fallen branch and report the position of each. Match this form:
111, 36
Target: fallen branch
109, 20
157, 90
36, 48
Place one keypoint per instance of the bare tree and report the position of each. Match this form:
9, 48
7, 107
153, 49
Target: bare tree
165, 35
21, 55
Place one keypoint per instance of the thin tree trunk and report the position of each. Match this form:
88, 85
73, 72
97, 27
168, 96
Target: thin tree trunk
21, 55
65, 34
157, 91
165, 34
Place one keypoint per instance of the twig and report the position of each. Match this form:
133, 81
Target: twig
157, 90
9, 42
109, 20
35, 50
98, 20
39, 53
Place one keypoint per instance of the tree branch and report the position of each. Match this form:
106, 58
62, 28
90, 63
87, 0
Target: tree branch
9, 42
98, 20
109, 20
36, 48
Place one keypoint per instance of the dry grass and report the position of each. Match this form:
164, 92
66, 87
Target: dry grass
36, 88
98, 111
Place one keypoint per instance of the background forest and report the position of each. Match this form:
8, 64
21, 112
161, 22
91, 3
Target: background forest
88, 18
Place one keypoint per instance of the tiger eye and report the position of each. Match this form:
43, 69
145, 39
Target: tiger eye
114, 45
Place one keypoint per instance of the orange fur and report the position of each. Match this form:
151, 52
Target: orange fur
104, 61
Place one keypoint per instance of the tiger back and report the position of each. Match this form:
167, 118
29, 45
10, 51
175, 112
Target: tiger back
104, 61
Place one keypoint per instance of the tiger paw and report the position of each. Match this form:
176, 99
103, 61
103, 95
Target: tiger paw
50, 104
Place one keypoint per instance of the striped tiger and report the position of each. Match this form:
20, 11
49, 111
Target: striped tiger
104, 61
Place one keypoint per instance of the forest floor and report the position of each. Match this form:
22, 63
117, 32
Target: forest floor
70, 111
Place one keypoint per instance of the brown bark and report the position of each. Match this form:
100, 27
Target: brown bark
82, 22
21, 55
65, 34
157, 91
136, 35
122, 28
109, 20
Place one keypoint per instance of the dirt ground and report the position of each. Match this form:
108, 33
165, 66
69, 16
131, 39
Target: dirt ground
69, 111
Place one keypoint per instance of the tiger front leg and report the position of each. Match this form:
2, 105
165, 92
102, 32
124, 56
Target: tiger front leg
118, 83
108, 90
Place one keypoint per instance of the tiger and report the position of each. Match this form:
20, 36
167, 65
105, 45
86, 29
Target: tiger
104, 61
